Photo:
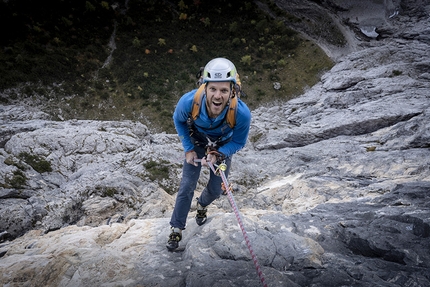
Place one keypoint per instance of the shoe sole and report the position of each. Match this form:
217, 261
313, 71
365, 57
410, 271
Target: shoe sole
171, 248
201, 223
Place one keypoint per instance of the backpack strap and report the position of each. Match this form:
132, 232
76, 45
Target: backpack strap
197, 102
195, 109
231, 113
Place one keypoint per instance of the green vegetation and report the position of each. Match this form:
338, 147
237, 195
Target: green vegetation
59, 50
37, 163
159, 171
396, 73
10, 161
18, 180
106, 191
255, 137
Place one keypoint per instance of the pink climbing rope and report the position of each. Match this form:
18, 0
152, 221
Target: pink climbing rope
239, 219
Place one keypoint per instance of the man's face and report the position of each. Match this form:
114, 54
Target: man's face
217, 97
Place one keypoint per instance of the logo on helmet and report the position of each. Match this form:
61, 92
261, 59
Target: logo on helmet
218, 76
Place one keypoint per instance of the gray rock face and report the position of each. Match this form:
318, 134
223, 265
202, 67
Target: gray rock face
333, 187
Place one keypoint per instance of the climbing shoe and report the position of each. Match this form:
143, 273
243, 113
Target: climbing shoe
201, 214
174, 238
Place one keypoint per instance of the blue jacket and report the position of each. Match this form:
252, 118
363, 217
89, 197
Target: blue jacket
239, 133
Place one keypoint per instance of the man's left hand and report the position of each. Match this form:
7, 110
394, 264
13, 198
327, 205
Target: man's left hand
212, 158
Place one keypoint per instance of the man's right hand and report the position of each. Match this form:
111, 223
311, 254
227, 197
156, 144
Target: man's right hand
190, 157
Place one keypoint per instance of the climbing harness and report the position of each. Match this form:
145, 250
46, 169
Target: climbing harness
220, 169
201, 139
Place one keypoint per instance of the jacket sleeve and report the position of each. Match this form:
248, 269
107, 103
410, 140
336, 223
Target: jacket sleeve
240, 131
180, 117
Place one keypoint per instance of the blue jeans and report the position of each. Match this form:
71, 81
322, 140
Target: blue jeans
190, 176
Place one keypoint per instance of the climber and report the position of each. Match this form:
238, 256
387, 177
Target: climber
209, 137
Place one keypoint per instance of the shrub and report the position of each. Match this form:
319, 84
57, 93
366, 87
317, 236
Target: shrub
270, 44
18, 179
38, 164
66, 21
194, 49
105, 5
236, 42
206, 21
246, 60
282, 62
136, 42
157, 170
233, 27
396, 73
161, 42
89, 6
261, 26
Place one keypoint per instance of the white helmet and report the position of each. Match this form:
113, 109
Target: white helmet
219, 70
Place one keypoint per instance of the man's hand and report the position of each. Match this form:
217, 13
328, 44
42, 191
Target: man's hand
209, 158
190, 156
213, 156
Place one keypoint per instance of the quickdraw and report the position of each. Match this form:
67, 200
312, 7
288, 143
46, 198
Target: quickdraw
224, 188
